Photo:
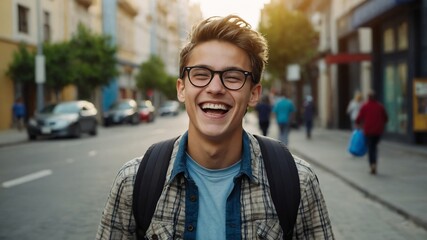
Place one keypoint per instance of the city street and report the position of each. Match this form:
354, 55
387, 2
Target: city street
66, 182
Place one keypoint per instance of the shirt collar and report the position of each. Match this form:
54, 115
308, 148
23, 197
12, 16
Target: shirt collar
180, 166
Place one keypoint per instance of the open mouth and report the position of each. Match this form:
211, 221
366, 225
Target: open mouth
214, 108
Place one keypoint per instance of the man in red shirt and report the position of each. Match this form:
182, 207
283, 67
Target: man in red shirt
373, 117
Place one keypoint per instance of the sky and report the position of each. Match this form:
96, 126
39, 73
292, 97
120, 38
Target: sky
249, 10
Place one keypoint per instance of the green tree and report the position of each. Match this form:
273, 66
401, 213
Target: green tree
59, 68
93, 60
168, 87
21, 69
290, 35
152, 75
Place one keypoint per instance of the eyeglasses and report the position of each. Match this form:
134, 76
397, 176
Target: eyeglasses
232, 79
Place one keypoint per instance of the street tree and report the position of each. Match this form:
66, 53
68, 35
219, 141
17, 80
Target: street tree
21, 69
290, 35
93, 60
151, 75
59, 70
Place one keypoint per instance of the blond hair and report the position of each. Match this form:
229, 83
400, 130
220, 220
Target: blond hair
234, 30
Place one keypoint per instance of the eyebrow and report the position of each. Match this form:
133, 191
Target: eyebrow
225, 69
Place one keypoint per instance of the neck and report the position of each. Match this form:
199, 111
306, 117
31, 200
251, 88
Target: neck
215, 154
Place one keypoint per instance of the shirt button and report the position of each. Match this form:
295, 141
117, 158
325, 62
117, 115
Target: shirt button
193, 198
190, 228
154, 237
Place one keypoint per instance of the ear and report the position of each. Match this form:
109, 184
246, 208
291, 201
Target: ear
255, 95
180, 90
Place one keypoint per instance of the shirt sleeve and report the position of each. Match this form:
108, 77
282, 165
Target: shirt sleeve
312, 220
117, 221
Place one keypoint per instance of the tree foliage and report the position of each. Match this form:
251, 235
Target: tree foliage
290, 35
88, 61
152, 75
93, 60
59, 68
21, 69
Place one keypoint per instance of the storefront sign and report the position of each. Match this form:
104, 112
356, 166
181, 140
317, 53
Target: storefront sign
420, 105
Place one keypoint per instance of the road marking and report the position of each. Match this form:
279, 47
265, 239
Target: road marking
92, 153
27, 178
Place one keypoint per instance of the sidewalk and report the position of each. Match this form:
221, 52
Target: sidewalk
400, 183
12, 136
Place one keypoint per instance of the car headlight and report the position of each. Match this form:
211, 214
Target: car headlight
32, 122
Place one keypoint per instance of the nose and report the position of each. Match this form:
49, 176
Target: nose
216, 85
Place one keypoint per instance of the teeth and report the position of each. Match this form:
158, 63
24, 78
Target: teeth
214, 106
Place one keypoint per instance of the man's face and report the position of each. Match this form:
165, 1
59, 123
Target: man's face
215, 111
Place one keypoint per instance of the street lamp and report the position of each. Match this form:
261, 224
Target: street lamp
40, 62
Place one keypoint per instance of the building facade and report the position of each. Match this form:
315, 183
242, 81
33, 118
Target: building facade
138, 28
378, 45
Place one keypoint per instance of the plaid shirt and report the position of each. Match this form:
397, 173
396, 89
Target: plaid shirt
259, 219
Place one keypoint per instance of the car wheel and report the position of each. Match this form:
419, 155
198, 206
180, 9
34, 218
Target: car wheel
32, 137
135, 119
76, 131
94, 130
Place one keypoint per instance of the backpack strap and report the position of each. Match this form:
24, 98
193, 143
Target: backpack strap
149, 182
281, 172
284, 182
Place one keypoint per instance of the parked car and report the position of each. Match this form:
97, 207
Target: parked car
147, 112
170, 107
64, 119
122, 112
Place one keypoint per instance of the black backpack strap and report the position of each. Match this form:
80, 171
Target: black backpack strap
284, 182
149, 182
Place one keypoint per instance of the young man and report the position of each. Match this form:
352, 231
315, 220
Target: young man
284, 110
216, 185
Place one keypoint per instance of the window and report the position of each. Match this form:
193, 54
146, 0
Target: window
46, 26
23, 19
402, 36
388, 38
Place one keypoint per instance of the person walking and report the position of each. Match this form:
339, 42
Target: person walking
216, 185
18, 113
309, 112
263, 109
283, 110
372, 118
353, 108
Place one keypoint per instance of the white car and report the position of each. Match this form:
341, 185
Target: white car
170, 108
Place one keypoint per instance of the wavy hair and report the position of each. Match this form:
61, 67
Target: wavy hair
234, 30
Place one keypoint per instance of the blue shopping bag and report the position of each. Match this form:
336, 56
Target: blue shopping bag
357, 145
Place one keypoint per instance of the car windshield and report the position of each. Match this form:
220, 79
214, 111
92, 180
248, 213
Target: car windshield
170, 104
121, 106
61, 108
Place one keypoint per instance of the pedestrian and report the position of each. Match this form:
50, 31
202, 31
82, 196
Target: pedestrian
309, 112
216, 166
18, 113
353, 108
372, 118
283, 110
263, 109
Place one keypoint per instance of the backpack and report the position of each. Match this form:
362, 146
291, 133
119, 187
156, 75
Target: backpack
279, 164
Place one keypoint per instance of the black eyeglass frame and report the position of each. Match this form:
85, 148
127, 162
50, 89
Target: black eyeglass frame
220, 73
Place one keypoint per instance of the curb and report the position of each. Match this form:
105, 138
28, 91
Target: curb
417, 221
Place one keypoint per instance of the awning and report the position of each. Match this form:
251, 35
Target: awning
341, 58
372, 9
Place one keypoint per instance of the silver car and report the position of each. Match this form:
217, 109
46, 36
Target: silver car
62, 119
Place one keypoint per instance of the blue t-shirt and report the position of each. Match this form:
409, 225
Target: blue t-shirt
283, 109
214, 187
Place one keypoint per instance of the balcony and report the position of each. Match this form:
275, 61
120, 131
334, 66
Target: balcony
85, 3
129, 7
